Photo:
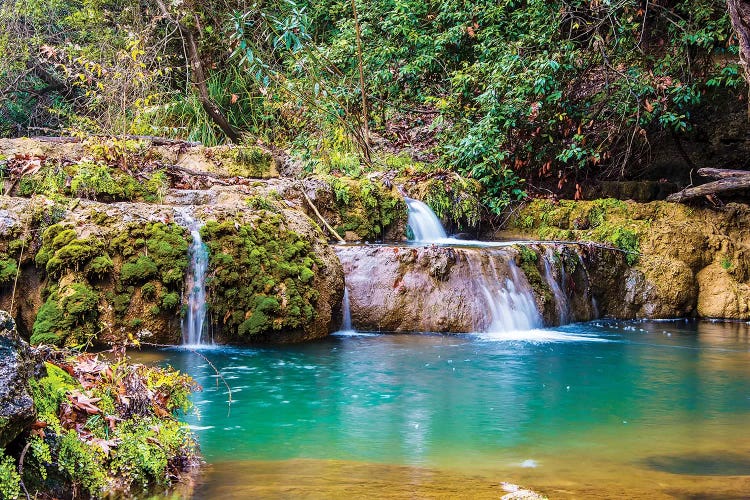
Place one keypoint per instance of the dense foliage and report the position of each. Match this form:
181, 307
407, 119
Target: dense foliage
543, 91
104, 427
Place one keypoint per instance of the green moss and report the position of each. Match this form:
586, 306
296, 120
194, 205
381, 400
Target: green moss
148, 291
365, 207
102, 179
156, 256
62, 250
10, 480
528, 262
261, 275
606, 221
170, 301
68, 316
46, 328
262, 203
8, 270
247, 161
100, 266
121, 303
138, 270
456, 200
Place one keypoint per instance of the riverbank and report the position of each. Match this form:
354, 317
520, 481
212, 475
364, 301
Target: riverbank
78, 425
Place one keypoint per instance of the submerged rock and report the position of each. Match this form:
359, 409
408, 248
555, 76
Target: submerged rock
17, 366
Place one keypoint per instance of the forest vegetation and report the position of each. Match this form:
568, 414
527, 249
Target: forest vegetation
521, 96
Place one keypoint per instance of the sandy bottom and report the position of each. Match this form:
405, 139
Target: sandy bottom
324, 479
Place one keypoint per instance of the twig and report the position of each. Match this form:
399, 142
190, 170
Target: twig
328, 226
20, 468
18, 269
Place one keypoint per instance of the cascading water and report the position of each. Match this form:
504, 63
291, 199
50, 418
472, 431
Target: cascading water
346, 324
509, 301
193, 324
423, 222
561, 301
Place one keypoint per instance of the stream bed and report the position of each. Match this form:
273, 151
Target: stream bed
603, 409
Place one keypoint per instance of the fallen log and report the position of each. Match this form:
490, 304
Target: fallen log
721, 173
721, 186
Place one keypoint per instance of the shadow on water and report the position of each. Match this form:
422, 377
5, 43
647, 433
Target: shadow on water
710, 464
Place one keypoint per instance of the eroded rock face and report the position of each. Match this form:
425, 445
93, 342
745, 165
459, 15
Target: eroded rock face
692, 261
461, 290
17, 366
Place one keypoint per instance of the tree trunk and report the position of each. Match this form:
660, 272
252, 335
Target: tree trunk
720, 186
739, 13
199, 78
722, 173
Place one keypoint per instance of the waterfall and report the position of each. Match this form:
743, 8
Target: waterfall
508, 300
561, 301
423, 222
193, 324
346, 324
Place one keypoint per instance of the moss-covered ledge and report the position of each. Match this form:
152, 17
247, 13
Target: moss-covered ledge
101, 274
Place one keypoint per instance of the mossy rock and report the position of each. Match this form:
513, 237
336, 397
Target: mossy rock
366, 208
607, 221
260, 276
68, 316
248, 161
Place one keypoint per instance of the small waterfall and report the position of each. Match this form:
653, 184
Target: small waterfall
509, 301
561, 301
423, 222
193, 324
346, 324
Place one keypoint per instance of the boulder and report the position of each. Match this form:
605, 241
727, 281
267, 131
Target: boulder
18, 365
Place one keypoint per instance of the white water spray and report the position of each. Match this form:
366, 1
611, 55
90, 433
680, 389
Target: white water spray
561, 301
193, 324
424, 223
511, 306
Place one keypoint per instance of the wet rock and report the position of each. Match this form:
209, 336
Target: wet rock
17, 366
460, 290
692, 260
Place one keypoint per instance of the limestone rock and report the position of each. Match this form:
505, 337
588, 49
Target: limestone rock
721, 295
457, 290
17, 366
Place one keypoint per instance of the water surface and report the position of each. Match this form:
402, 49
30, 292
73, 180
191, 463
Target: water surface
597, 410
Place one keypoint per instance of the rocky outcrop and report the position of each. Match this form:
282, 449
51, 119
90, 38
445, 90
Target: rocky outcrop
463, 289
91, 272
687, 261
19, 365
